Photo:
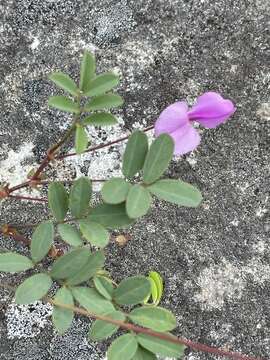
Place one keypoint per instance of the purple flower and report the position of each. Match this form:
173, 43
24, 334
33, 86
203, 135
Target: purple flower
210, 110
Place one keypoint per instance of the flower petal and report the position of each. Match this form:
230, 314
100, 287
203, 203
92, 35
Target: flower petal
185, 139
173, 117
211, 110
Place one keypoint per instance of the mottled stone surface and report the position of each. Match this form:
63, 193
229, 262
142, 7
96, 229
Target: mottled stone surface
215, 259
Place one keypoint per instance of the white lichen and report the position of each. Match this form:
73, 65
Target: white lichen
26, 321
13, 169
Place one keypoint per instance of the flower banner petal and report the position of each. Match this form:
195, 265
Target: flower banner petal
211, 110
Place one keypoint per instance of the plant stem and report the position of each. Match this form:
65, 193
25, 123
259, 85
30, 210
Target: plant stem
20, 197
18, 187
51, 151
25, 226
170, 338
101, 146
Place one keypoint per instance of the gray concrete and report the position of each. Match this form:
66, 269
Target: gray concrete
215, 259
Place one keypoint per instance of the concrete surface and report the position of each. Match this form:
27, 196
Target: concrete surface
215, 259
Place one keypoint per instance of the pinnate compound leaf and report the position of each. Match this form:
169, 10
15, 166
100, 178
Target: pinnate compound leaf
95, 233
158, 158
70, 234
106, 101
81, 139
58, 200
177, 192
110, 216
88, 68
12, 262
70, 263
143, 354
80, 195
42, 241
63, 103
91, 300
135, 153
33, 288
155, 318
115, 191
123, 348
101, 84
161, 347
138, 201
95, 262
64, 82
104, 286
132, 291
62, 318
100, 119
101, 330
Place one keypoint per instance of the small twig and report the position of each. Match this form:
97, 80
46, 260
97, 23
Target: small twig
20, 197
51, 152
18, 187
31, 225
101, 146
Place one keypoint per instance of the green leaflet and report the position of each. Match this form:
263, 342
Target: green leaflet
102, 83
143, 354
63, 103
100, 119
177, 192
42, 241
115, 191
62, 318
95, 233
58, 200
106, 101
91, 300
64, 82
158, 158
12, 262
161, 347
104, 286
102, 329
81, 139
138, 201
33, 288
132, 291
94, 263
123, 348
135, 153
80, 195
155, 318
88, 68
110, 216
70, 234
70, 263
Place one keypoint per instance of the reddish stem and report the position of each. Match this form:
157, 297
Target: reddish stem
162, 336
20, 197
101, 146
